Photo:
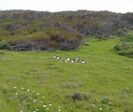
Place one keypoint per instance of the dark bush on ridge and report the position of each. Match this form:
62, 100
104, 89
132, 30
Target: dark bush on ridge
49, 40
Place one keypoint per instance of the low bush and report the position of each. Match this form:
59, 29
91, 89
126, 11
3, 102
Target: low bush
124, 48
4, 45
78, 96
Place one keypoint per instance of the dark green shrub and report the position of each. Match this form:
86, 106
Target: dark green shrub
4, 45
124, 48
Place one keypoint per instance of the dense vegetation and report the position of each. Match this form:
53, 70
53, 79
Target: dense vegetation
26, 30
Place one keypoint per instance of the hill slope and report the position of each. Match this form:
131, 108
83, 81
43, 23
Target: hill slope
101, 23
28, 30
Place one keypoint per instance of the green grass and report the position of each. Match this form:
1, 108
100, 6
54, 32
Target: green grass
105, 74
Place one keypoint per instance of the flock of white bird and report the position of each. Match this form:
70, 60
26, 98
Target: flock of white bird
73, 60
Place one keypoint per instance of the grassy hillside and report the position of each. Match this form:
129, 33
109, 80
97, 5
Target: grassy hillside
103, 84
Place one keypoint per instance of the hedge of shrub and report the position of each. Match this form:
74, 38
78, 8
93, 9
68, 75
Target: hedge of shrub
46, 40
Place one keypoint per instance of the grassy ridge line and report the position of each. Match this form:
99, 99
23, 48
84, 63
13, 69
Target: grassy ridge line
106, 73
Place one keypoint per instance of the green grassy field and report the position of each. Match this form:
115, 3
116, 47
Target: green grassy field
106, 79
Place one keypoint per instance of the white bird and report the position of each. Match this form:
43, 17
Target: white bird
83, 62
76, 59
57, 57
68, 59
72, 61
